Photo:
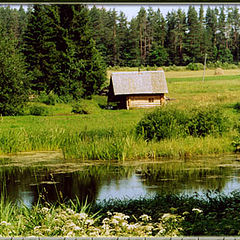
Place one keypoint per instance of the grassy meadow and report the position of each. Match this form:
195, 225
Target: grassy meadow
110, 134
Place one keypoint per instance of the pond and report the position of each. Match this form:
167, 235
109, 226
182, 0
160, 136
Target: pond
25, 177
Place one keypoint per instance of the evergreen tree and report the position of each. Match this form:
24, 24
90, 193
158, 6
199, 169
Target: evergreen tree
210, 34
61, 53
134, 57
142, 34
176, 31
123, 40
193, 36
13, 77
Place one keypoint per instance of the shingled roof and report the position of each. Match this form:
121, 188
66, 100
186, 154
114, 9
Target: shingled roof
148, 82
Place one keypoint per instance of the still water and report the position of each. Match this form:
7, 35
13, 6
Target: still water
25, 177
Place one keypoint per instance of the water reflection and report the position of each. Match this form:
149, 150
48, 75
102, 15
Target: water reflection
56, 180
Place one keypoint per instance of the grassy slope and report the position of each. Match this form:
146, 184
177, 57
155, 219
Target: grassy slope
109, 134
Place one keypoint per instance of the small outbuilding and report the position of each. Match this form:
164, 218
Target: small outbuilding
138, 89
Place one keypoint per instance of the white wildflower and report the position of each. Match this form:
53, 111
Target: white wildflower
114, 221
89, 222
81, 216
166, 215
36, 228
5, 223
197, 210
45, 210
76, 228
105, 220
131, 226
70, 234
70, 211
145, 217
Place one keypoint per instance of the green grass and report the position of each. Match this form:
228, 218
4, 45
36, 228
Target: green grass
110, 134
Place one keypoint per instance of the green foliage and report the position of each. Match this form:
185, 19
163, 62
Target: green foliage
167, 122
14, 88
237, 106
85, 107
158, 56
195, 66
206, 121
37, 110
58, 59
49, 99
163, 123
223, 65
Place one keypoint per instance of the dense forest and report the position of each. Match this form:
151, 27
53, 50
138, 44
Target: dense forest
178, 38
65, 49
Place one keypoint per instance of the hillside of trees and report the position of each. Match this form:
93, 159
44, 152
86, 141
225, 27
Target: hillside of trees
65, 49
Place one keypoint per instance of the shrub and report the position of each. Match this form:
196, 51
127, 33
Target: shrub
206, 121
167, 122
163, 123
38, 110
85, 107
237, 106
195, 66
49, 99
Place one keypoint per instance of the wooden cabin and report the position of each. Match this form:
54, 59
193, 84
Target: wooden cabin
138, 89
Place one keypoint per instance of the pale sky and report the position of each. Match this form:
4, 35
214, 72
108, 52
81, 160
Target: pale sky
131, 9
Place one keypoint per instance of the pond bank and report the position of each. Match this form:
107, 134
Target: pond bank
162, 216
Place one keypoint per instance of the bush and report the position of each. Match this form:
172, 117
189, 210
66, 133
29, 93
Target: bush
167, 122
38, 110
85, 107
237, 106
163, 123
195, 66
219, 64
49, 99
206, 121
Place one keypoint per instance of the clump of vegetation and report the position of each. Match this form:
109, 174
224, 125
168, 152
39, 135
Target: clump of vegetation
14, 81
207, 121
167, 122
237, 106
48, 99
194, 66
85, 107
38, 110
163, 123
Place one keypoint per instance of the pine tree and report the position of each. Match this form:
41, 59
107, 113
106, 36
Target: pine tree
13, 77
123, 40
142, 31
210, 34
193, 36
61, 53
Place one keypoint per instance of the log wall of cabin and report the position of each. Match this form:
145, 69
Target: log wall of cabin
144, 101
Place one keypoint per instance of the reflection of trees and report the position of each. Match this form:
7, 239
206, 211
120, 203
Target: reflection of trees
178, 176
84, 184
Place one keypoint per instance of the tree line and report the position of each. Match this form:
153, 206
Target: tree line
179, 38
65, 49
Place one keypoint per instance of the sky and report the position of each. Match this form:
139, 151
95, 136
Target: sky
131, 9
